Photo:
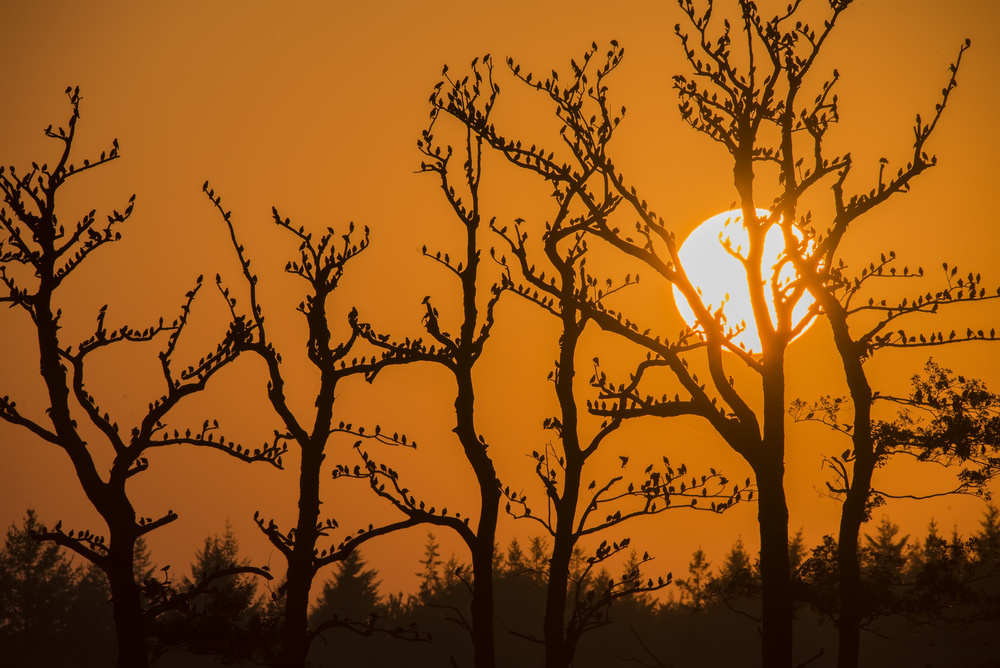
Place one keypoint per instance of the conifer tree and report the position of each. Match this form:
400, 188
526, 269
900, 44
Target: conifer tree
226, 619
51, 612
352, 593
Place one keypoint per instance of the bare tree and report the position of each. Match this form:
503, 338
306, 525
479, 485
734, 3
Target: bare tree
758, 438
458, 352
742, 109
37, 255
321, 264
740, 101
572, 294
953, 423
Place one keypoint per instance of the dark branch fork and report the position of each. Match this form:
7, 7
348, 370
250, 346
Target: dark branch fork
585, 198
43, 253
743, 104
37, 254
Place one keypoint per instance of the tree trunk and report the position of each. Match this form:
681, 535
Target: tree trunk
849, 614
560, 647
852, 516
295, 629
559, 650
126, 603
775, 571
772, 516
558, 654
483, 644
482, 548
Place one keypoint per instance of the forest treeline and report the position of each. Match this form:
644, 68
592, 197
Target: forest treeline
929, 600
755, 87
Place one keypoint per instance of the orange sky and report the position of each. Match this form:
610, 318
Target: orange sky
315, 107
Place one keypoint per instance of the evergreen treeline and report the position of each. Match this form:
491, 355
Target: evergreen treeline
508, 604
929, 601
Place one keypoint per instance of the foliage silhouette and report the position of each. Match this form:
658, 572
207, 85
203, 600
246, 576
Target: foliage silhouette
946, 594
946, 419
37, 255
227, 620
47, 606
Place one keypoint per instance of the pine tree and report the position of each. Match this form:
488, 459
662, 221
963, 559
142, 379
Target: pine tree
50, 613
819, 579
515, 558
985, 561
638, 601
693, 589
143, 566
885, 553
883, 564
430, 578
454, 574
538, 557
929, 555
738, 578
351, 594
92, 629
986, 542
225, 620
796, 552
35, 581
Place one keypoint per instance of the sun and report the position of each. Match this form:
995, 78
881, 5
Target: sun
722, 279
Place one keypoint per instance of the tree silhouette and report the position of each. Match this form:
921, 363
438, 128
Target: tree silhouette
948, 420
458, 352
752, 103
772, 96
694, 588
37, 255
588, 124
430, 578
933, 582
352, 592
226, 621
50, 612
321, 264
814, 250
572, 294
35, 580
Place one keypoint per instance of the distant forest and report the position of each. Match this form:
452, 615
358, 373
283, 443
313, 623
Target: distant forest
556, 219
930, 600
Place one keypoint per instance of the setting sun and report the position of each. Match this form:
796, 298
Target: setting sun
722, 279
252, 254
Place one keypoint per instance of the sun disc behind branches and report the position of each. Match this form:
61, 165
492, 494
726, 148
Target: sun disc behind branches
722, 279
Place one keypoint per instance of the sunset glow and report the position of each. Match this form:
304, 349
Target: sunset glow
252, 254
721, 277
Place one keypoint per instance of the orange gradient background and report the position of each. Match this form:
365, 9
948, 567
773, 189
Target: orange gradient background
315, 107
